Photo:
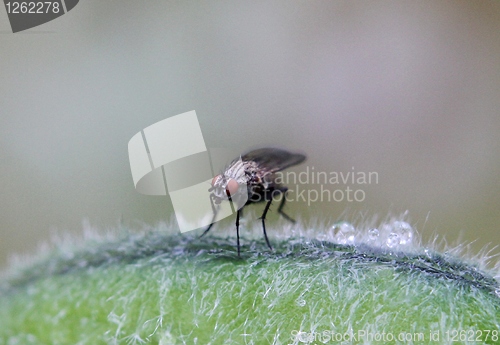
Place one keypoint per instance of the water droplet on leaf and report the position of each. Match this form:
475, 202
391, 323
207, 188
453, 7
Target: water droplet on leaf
392, 240
404, 231
373, 234
344, 233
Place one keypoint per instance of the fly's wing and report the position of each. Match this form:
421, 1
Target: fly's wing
273, 160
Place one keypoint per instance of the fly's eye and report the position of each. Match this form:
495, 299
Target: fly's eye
232, 187
215, 180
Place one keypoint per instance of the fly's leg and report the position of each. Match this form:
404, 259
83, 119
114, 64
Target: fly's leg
206, 230
263, 217
282, 204
215, 211
238, 231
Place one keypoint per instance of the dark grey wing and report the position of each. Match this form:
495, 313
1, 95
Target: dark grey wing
273, 160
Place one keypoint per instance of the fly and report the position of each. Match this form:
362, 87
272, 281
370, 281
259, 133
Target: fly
251, 179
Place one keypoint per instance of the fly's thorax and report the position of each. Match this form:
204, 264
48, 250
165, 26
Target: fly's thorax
237, 171
262, 178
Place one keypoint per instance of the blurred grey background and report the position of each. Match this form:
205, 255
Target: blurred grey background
407, 89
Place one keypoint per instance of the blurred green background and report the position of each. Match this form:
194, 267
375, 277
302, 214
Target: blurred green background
407, 89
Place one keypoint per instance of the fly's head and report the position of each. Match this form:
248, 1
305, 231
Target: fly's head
222, 188
232, 183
